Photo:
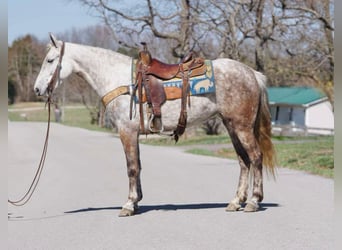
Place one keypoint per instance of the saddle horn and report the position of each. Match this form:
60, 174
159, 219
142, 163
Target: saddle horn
144, 55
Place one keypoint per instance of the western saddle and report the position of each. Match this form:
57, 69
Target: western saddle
150, 74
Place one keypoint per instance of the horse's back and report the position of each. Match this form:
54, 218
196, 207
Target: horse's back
236, 73
238, 88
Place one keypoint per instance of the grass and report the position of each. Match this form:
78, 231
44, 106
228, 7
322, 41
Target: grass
75, 115
22, 105
200, 139
222, 152
313, 155
310, 154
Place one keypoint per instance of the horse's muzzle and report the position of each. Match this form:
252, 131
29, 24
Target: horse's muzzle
39, 92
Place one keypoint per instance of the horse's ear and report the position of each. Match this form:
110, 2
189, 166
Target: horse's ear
53, 39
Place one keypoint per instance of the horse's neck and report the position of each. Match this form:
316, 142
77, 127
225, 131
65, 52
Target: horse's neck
103, 69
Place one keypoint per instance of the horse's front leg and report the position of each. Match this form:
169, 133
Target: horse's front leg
130, 141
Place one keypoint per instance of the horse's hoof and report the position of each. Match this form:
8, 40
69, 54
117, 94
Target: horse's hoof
126, 212
251, 206
232, 207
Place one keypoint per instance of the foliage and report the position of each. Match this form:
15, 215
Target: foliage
290, 41
24, 60
212, 126
11, 91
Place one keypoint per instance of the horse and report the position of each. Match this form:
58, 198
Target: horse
240, 100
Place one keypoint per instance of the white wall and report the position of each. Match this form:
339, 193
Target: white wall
318, 119
320, 116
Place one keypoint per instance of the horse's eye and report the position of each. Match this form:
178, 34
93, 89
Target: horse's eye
50, 60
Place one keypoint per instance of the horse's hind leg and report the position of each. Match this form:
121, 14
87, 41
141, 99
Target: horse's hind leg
241, 193
129, 139
249, 155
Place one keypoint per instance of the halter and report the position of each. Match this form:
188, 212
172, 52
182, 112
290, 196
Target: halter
55, 77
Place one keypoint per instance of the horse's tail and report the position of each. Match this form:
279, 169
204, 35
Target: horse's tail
263, 127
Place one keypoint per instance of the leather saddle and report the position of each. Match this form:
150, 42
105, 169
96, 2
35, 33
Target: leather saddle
166, 71
150, 74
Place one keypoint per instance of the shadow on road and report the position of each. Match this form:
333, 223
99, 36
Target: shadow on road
142, 209
171, 207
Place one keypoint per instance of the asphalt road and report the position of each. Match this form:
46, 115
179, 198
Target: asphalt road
84, 184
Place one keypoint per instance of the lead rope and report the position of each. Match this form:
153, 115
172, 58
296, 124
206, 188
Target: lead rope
51, 86
30, 191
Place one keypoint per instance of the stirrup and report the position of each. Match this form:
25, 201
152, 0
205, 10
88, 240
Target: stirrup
150, 127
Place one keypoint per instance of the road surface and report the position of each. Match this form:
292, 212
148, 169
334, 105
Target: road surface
84, 184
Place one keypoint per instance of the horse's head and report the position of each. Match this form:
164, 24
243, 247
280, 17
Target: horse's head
56, 66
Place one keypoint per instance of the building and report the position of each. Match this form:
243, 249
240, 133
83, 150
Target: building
300, 111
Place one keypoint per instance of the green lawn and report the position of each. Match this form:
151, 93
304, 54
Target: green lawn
74, 115
316, 157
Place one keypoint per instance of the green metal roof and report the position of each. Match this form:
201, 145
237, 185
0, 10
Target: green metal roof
294, 95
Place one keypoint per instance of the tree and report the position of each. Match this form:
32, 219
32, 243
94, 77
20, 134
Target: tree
313, 45
291, 41
145, 22
12, 93
24, 60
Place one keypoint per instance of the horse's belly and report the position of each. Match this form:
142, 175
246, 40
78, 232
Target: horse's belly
200, 109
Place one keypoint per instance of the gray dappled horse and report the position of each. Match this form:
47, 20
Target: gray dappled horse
240, 101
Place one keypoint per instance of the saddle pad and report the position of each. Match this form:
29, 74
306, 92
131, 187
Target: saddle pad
198, 85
